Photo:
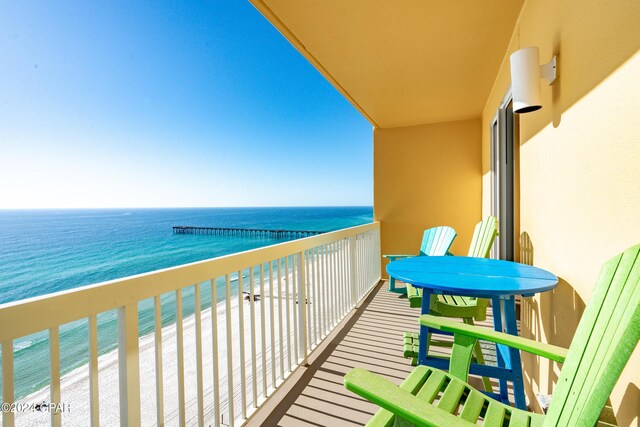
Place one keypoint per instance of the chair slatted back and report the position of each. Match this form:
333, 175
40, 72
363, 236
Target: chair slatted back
436, 241
604, 340
483, 236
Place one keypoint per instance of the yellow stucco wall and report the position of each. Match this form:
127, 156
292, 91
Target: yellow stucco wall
579, 167
426, 176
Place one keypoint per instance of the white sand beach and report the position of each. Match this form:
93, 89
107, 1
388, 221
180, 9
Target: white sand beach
75, 385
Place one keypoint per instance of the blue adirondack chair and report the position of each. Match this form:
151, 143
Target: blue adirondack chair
436, 241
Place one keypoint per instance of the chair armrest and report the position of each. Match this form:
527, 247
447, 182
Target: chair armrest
548, 351
387, 395
394, 257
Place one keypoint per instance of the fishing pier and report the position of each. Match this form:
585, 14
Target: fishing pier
245, 232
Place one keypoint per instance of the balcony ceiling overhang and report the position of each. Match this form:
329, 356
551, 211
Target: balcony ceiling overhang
402, 63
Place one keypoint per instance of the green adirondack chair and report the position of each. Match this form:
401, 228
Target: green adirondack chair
484, 234
436, 241
466, 308
604, 340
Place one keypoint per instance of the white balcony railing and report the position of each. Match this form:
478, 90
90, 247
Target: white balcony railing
217, 365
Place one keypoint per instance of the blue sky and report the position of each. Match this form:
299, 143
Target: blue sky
167, 103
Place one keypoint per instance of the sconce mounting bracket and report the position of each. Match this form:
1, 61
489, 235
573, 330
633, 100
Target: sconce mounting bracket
549, 70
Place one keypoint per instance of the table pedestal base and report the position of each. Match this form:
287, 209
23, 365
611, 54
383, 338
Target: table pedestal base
508, 359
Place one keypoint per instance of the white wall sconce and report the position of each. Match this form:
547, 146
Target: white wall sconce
526, 73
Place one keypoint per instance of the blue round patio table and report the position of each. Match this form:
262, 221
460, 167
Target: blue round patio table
497, 280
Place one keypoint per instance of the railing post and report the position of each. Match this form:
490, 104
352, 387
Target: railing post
378, 251
129, 365
54, 369
302, 308
353, 271
8, 419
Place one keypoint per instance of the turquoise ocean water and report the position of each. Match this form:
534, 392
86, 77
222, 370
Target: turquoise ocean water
46, 251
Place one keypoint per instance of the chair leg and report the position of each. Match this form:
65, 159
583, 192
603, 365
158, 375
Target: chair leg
392, 287
477, 352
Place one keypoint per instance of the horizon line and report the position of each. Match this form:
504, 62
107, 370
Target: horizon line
181, 207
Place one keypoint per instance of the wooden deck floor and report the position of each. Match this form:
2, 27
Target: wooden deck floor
371, 338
